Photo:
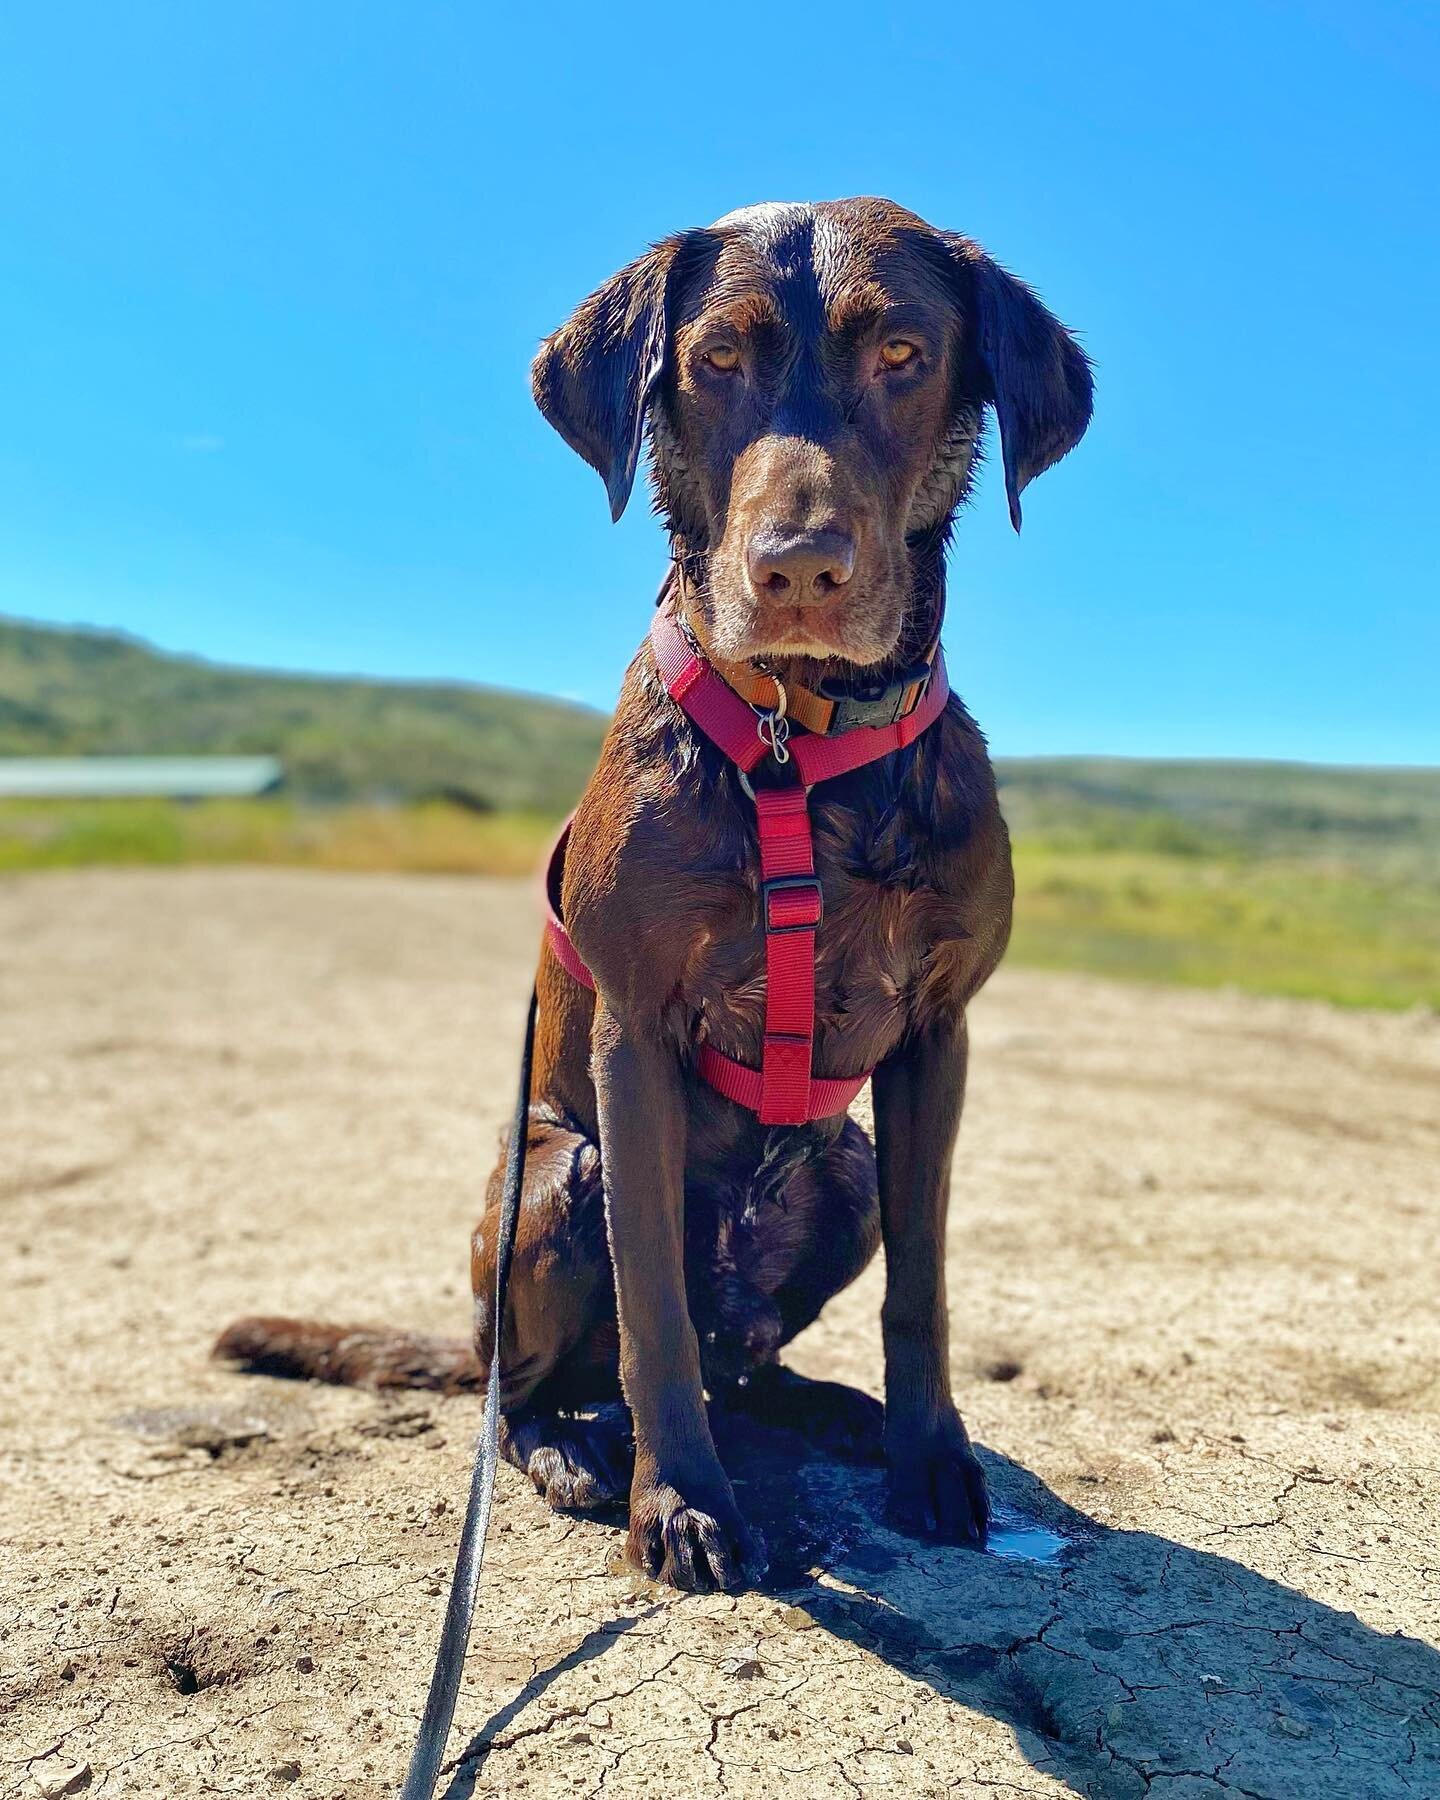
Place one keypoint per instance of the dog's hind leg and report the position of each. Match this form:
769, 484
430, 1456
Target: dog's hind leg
560, 1323
564, 1424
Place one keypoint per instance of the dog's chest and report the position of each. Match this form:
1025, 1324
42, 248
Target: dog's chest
874, 958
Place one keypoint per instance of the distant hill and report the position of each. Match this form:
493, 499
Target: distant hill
343, 739
1383, 819
95, 692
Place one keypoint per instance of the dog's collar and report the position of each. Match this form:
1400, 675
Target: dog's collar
830, 708
700, 687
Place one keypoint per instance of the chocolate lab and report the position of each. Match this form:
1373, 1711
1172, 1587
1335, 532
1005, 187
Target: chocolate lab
812, 380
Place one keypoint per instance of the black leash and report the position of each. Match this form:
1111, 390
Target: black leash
434, 1730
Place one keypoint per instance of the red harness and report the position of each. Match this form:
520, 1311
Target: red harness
782, 1091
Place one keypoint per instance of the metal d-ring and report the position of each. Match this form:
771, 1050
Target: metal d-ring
773, 727
746, 788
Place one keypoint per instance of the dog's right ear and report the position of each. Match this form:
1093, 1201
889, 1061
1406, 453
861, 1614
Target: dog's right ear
595, 378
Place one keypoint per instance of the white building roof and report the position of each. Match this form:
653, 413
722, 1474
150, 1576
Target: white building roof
111, 777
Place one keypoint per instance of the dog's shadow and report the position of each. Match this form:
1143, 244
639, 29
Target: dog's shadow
1120, 1659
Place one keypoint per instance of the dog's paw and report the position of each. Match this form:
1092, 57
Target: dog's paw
575, 1464
937, 1486
691, 1548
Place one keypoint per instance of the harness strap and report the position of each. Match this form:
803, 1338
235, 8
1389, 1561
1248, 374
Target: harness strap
825, 1095
782, 1091
790, 908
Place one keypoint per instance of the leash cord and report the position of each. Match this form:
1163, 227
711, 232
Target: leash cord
439, 1712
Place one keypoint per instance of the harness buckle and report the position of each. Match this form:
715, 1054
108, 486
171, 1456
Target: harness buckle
790, 884
875, 702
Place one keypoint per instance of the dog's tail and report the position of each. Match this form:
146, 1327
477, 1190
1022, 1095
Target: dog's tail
350, 1355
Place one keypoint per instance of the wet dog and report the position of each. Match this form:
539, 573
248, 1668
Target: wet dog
812, 380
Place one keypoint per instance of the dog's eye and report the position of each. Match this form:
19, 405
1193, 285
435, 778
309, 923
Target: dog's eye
897, 353
724, 357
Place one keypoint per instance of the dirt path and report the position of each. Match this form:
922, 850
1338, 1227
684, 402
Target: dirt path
1193, 1283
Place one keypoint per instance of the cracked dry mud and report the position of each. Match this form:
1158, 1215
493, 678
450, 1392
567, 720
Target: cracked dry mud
1194, 1329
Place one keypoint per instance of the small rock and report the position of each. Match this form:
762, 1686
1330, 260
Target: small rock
63, 1778
744, 1668
398, 1422
305, 1664
1293, 1728
904, 1746
796, 1618
216, 1436
287, 1771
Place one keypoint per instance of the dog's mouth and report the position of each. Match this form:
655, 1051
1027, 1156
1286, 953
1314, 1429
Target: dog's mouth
862, 628
799, 631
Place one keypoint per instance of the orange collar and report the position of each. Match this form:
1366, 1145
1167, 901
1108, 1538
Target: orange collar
830, 707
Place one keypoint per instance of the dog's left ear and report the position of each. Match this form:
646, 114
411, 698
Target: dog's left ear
1038, 377
594, 378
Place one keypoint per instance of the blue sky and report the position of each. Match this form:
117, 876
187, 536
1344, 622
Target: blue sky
271, 276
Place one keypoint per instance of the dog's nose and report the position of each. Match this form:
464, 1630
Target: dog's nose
800, 568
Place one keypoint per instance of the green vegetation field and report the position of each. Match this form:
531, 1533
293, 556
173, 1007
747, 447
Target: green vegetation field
1277, 878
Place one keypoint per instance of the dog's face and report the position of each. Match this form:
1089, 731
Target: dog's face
814, 379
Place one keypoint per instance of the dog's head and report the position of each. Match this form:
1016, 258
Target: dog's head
814, 380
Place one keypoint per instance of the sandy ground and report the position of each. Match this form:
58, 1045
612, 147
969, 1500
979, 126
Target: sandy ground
1193, 1279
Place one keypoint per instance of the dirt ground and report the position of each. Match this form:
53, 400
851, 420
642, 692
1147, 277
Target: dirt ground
1193, 1291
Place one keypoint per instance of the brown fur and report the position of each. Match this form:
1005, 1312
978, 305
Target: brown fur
669, 1243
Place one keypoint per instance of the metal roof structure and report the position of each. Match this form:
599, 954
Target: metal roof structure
134, 777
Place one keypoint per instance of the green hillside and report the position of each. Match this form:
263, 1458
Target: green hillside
1384, 820
1275, 877
98, 693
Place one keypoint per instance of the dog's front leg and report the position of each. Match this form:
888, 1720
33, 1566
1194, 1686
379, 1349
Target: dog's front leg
936, 1483
684, 1524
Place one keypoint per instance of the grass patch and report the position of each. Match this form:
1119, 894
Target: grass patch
1270, 926
434, 837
